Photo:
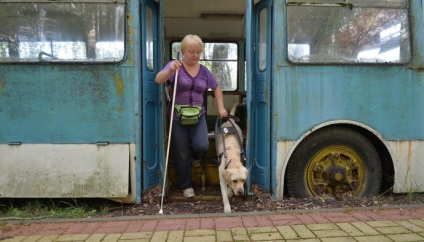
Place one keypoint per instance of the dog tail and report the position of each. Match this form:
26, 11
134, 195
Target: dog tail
234, 108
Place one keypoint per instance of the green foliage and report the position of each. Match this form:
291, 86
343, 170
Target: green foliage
50, 208
3, 49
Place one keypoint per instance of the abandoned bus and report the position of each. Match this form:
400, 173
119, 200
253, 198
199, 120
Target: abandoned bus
329, 94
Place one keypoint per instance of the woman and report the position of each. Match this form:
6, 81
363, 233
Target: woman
190, 141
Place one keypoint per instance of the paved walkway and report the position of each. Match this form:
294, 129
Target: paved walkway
378, 224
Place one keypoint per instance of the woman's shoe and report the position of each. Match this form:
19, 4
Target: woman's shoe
189, 192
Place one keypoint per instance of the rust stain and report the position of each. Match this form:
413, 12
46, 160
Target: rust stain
131, 60
131, 35
119, 86
131, 32
1, 87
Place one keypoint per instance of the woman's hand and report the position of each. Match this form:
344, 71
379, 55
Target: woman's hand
163, 75
222, 113
175, 66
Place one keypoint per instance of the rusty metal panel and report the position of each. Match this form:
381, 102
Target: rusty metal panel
382, 96
64, 170
283, 153
76, 104
409, 171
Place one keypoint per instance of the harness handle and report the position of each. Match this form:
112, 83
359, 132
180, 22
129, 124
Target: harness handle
223, 132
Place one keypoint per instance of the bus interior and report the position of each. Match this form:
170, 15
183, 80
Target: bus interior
222, 26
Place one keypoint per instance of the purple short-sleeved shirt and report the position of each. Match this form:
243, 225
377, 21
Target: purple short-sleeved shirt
190, 89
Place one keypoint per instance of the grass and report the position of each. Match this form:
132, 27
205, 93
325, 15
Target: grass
51, 208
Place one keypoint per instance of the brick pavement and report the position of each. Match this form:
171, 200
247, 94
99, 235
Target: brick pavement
379, 224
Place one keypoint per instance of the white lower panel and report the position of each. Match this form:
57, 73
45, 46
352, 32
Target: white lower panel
284, 151
64, 170
409, 165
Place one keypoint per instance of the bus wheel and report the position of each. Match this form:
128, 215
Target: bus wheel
336, 161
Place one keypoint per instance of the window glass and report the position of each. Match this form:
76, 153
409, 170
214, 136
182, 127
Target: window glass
262, 39
149, 38
4, 49
62, 31
384, 3
221, 60
313, 1
345, 35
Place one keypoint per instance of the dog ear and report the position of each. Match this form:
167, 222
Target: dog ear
226, 175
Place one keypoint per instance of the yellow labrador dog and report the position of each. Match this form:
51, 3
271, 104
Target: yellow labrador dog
232, 173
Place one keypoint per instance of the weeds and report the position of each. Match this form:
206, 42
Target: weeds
50, 208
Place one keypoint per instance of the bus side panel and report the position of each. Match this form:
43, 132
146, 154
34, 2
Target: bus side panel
76, 104
57, 170
66, 131
375, 96
308, 99
70, 126
384, 97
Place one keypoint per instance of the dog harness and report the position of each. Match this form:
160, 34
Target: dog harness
224, 131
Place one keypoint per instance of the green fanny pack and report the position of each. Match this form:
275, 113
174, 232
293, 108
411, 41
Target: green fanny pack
188, 114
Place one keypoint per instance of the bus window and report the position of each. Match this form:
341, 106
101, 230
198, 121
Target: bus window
375, 3
366, 32
221, 60
62, 31
262, 40
384, 3
4, 49
62, 50
149, 38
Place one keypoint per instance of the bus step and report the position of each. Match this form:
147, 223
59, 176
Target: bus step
204, 175
207, 161
210, 193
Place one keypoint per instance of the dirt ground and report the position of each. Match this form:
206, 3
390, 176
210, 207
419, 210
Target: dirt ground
257, 201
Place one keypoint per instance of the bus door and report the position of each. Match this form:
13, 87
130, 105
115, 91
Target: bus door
259, 58
151, 121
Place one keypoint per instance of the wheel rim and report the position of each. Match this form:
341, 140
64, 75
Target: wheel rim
335, 170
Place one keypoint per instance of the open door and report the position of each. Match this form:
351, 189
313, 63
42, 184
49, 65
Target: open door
258, 53
152, 131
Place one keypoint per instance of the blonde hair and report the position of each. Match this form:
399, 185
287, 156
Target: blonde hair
191, 40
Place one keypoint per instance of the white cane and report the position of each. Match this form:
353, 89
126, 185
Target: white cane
169, 137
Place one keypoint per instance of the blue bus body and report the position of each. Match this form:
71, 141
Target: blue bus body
72, 129
381, 101
88, 128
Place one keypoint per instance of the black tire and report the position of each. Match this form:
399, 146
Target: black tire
337, 161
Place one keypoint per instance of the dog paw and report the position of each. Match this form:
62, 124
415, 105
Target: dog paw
227, 210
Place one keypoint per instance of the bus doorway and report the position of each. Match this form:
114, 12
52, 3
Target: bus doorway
222, 27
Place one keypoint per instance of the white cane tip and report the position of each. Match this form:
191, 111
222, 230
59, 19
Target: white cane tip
161, 211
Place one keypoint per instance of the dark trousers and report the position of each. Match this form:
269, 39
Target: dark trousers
188, 141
